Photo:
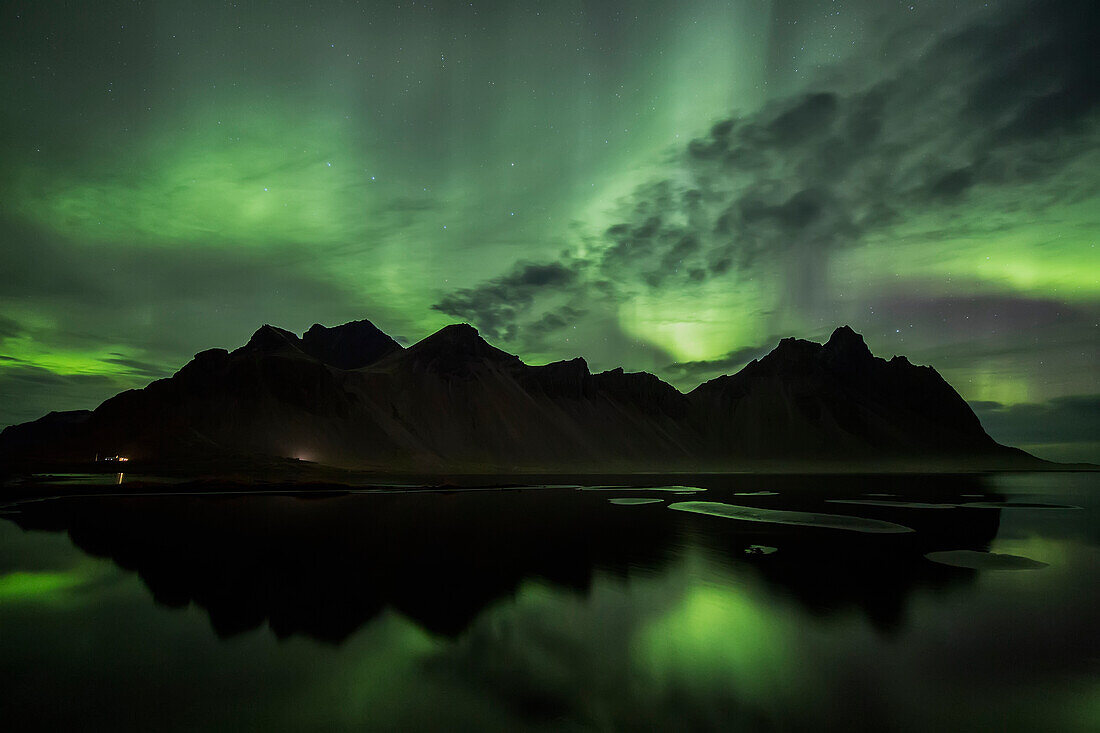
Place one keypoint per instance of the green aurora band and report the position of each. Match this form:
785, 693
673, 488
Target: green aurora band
173, 178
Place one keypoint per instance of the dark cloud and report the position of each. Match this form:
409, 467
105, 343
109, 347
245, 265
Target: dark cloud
1039, 73
820, 170
496, 305
9, 328
817, 172
142, 368
563, 318
689, 374
810, 117
952, 185
28, 392
1068, 427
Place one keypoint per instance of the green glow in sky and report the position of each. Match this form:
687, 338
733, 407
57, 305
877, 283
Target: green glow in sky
237, 181
175, 176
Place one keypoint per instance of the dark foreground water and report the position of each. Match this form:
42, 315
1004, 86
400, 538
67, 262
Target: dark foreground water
913, 603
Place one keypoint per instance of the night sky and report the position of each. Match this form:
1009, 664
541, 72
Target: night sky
667, 186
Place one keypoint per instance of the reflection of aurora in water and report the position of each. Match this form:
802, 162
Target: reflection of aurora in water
23, 585
722, 636
582, 611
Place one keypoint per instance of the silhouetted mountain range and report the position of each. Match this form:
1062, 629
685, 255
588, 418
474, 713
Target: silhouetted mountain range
352, 396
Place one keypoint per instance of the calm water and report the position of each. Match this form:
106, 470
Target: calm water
558, 608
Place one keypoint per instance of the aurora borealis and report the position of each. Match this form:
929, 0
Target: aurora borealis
670, 187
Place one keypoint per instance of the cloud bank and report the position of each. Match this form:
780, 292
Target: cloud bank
994, 124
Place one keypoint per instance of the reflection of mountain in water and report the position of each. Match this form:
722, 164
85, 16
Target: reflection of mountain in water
324, 566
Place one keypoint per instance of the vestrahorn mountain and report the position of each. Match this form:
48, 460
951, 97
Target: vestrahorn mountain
352, 396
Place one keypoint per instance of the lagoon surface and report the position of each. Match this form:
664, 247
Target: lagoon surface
909, 603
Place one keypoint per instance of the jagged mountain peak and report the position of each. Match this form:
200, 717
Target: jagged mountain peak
454, 348
361, 327
457, 333
848, 342
845, 350
272, 338
844, 355
792, 348
353, 345
576, 365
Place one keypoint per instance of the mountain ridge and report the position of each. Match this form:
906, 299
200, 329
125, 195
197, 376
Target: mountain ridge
352, 396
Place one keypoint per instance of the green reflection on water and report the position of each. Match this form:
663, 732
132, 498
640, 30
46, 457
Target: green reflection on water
24, 586
373, 678
719, 636
710, 640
